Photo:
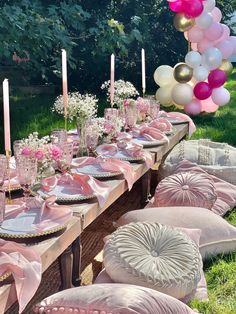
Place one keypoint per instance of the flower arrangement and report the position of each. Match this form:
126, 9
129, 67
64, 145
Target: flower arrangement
41, 149
123, 90
79, 106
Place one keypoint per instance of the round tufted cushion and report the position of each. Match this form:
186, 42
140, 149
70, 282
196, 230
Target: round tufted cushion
186, 189
154, 256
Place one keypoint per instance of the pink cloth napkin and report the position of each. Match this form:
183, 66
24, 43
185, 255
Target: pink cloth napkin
111, 165
179, 116
161, 124
80, 183
25, 266
149, 133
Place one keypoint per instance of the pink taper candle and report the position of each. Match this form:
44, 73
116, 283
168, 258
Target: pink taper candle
6, 109
112, 80
64, 81
143, 71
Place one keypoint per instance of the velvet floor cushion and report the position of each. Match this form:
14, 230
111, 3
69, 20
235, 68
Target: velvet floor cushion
154, 256
111, 299
218, 236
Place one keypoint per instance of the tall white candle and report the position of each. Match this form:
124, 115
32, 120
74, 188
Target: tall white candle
112, 80
6, 109
143, 71
64, 82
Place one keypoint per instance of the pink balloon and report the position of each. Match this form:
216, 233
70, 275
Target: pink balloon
232, 39
176, 6
208, 105
214, 32
195, 34
194, 46
226, 48
194, 108
192, 8
216, 14
202, 90
221, 96
225, 35
217, 78
204, 45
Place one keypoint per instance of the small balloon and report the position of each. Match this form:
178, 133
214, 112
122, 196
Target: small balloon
163, 75
176, 6
204, 45
226, 48
194, 108
163, 95
182, 23
183, 73
214, 32
182, 94
192, 8
208, 105
232, 39
216, 15
204, 20
221, 96
227, 67
217, 78
209, 5
202, 90
193, 59
212, 58
195, 34
200, 73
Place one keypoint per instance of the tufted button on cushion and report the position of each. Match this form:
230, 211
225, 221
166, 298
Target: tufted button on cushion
186, 189
154, 256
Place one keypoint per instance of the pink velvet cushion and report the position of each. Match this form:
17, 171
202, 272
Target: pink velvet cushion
217, 236
112, 299
226, 192
186, 189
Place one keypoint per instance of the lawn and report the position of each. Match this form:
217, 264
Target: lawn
30, 114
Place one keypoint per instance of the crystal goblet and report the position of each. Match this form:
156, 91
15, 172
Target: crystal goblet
59, 136
64, 163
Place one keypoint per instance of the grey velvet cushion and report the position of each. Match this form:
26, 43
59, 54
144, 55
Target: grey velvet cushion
154, 256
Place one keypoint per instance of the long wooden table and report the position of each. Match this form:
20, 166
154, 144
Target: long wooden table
85, 213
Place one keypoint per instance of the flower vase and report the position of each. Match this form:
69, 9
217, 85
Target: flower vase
82, 151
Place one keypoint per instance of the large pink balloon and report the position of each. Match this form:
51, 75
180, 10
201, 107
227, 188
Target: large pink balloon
221, 96
176, 6
217, 78
226, 48
202, 90
208, 105
192, 8
214, 32
195, 34
225, 35
194, 108
204, 45
216, 14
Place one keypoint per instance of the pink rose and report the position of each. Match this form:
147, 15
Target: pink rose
26, 151
39, 154
55, 152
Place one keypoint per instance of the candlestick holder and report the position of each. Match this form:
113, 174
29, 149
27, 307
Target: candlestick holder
8, 156
66, 122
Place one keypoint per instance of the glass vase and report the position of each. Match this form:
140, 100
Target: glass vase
81, 123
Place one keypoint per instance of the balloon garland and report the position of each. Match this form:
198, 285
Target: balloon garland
197, 84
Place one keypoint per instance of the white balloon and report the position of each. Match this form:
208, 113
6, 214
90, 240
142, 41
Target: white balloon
212, 58
200, 73
163, 94
204, 20
182, 94
209, 5
163, 75
220, 96
193, 59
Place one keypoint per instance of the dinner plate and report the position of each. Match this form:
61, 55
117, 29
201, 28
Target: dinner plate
141, 140
4, 277
95, 170
121, 155
174, 121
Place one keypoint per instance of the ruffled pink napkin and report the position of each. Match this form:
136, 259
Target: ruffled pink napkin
161, 124
79, 183
179, 116
149, 133
111, 165
128, 148
25, 266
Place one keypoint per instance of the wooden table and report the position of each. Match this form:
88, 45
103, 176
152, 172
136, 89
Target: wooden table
85, 213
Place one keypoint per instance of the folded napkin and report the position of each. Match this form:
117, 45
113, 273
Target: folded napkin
25, 266
161, 124
111, 165
179, 116
149, 133
80, 183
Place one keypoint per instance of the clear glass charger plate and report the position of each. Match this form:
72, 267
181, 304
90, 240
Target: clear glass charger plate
4, 277
25, 224
94, 170
64, 194
174, 121
122, 155
141, 140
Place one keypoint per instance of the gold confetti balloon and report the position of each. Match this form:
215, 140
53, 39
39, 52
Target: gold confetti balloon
183, 23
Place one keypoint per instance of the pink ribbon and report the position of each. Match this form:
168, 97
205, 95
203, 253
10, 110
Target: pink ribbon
111, 165
161, 124
25, 266
80, 183
180, 116
149, 133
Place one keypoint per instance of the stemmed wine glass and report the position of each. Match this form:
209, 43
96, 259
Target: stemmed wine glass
154, 107
3, 172
131, 115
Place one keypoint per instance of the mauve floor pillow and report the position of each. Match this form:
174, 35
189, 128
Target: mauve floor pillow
154, 256
218, 236
186, 189
112, 299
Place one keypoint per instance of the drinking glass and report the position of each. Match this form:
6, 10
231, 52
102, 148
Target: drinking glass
3, 169
154, 107
17, 146
2, 206
65, 161
91, 138
131, 115
111, 113
59, 136
26, 168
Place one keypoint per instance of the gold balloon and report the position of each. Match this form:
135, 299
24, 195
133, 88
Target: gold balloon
183, 73
182, 23
227, 67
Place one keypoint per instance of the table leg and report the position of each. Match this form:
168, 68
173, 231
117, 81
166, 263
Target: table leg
146, 182
65, 262
77, 253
